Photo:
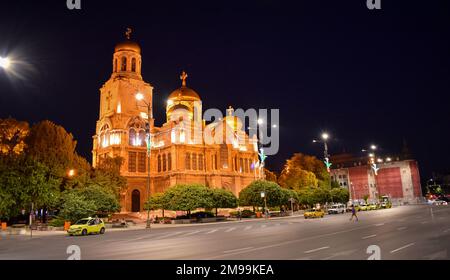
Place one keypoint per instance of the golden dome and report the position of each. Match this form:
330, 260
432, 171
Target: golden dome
232, 120
128, 46
184, 93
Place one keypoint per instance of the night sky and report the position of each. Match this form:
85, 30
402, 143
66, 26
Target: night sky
364, 76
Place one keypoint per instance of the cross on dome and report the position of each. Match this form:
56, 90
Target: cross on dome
183, 78
128, 33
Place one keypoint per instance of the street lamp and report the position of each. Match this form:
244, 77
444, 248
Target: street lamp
71, 173
5, 62
326, 156
140, 97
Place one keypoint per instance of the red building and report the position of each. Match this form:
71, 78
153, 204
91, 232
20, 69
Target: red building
396, 178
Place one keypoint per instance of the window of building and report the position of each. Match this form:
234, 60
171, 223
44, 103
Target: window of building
142, 136
345, 183
241, 164
194, 161
215, 161
200, 162
123, 66
115, 65
164, 163
131, 161
246, 165
188, 161
223, 156
141, 162
169, 162
133, 64
159, 163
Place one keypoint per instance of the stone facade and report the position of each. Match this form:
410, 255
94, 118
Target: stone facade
179, 153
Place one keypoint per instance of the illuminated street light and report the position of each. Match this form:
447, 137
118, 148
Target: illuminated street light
5, 62
388, 159
373, 147
139, 96
371, 155
274, 126
260, 121
325, 136
71, 173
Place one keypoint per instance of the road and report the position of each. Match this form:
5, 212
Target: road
407, 233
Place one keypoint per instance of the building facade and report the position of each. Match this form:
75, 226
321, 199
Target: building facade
179, 152
397, 178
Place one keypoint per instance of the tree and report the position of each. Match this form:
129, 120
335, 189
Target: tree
188, 197
105, 200
306, 163
53, 146
107, 174
339, 195
251, 195
157, 201
223, 199
25, 181
75, 206
296, 179
12, 136
270, 176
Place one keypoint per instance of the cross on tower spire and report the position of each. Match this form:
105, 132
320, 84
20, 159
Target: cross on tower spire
128, 33
183, 78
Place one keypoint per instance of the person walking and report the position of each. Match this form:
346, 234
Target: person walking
354, 213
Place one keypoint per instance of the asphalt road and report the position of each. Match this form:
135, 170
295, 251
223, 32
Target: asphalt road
407, 233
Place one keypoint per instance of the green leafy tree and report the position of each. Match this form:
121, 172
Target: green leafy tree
339, 195
107, 174
251, 195
75, 206
105, 200
157, 201
223, 199
23, 182
188, 197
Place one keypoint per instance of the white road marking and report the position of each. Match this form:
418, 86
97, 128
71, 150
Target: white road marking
191, 233
211, 231
403, 247
424, 222
401, 228
230, 229
247, 227
369, 236
315, 250
237, 250
169, 235
377, 225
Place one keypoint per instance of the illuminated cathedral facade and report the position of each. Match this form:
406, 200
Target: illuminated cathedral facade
178, 152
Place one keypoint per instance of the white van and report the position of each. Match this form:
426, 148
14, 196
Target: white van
338, 208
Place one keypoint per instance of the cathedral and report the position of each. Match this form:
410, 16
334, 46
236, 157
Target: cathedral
178, 151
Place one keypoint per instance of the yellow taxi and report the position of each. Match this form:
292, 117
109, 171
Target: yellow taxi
314, 213
87, 226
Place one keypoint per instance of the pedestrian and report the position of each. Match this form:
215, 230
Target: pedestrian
353, 213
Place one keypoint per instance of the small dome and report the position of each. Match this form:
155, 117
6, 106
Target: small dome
184, 93
128, 46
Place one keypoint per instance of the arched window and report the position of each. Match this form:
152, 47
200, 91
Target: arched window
159, 163
115, 65
142, 138
123, 66
194, 161
169, 162
241, 165
104, 136
133, 64
215, 161
164, 162
132, 137
188, 161
246, 165
235, 164
200, 162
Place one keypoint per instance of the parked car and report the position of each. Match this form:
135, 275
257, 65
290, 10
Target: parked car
314, 213
372, 207
361, 207
439, 202
87, 226
338, 208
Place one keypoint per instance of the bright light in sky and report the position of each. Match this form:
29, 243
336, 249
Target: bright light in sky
5, 62
260, 121
325, 136
373, 147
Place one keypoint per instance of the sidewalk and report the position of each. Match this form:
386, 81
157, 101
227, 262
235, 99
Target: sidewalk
142, 226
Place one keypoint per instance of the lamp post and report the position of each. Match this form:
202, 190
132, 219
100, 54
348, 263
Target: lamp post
140, 97
326, 157
373, 164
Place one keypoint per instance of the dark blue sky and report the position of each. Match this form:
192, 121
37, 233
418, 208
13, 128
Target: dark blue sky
365, 76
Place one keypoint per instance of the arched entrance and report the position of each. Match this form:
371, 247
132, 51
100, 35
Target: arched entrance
135, 201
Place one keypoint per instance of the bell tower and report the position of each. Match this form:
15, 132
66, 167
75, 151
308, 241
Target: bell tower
118, 104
